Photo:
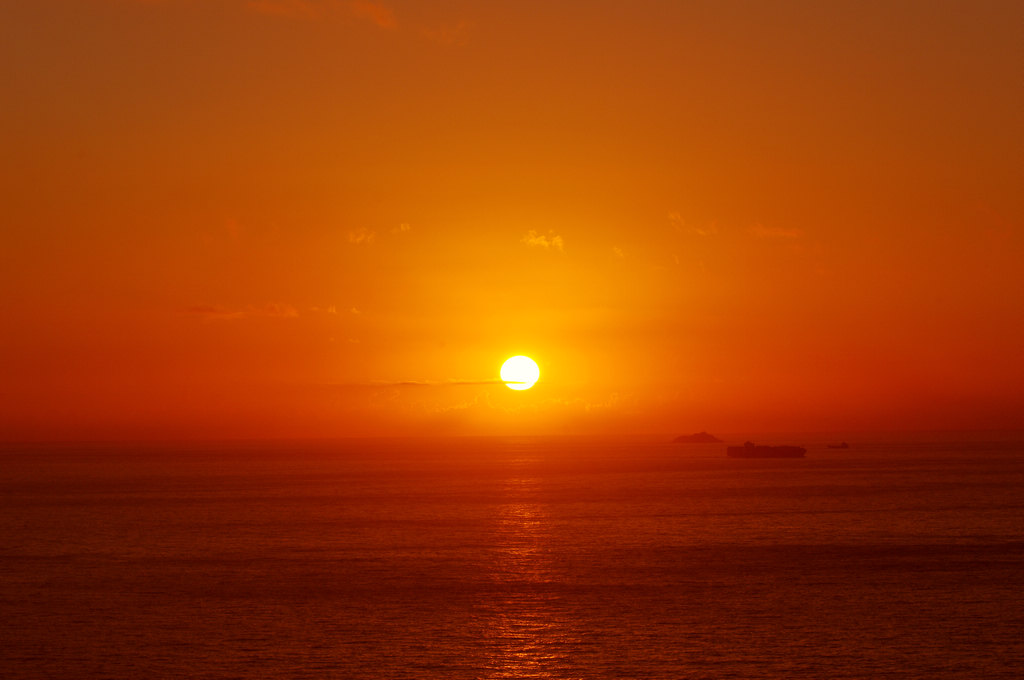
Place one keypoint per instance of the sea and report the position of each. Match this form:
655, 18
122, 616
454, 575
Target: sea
516, 557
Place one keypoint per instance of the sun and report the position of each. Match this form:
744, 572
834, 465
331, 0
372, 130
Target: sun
520, 373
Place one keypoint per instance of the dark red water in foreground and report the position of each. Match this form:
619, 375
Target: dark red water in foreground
512, 558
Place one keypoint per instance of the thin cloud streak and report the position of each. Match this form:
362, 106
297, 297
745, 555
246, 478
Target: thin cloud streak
374, 12
444, 383
272, 310
375, 384
549, 241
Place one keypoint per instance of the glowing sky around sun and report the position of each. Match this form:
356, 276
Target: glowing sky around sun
313, 218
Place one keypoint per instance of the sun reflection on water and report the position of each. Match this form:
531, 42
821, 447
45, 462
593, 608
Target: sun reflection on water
526, 621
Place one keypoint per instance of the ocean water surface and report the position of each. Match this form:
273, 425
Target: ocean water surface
512, 558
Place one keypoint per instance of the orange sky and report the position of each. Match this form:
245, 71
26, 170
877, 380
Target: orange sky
232, 218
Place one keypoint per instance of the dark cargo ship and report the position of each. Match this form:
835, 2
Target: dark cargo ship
750, 450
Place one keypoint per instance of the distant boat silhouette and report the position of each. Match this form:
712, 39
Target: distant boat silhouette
841, 445
750, 450
698, 438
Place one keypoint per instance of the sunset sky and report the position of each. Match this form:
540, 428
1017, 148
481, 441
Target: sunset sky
322, 218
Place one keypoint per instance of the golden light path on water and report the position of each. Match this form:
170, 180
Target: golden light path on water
529, 621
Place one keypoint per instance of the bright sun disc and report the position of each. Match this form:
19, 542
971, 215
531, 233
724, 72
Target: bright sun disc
520, 373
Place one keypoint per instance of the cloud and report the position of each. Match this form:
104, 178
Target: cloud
333, 310
611, 403
329, 309
373, 12
549, 241
377, 384
402, 228
679, 224
361, 236
274, 310
618, 252
761, 231
441, 383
